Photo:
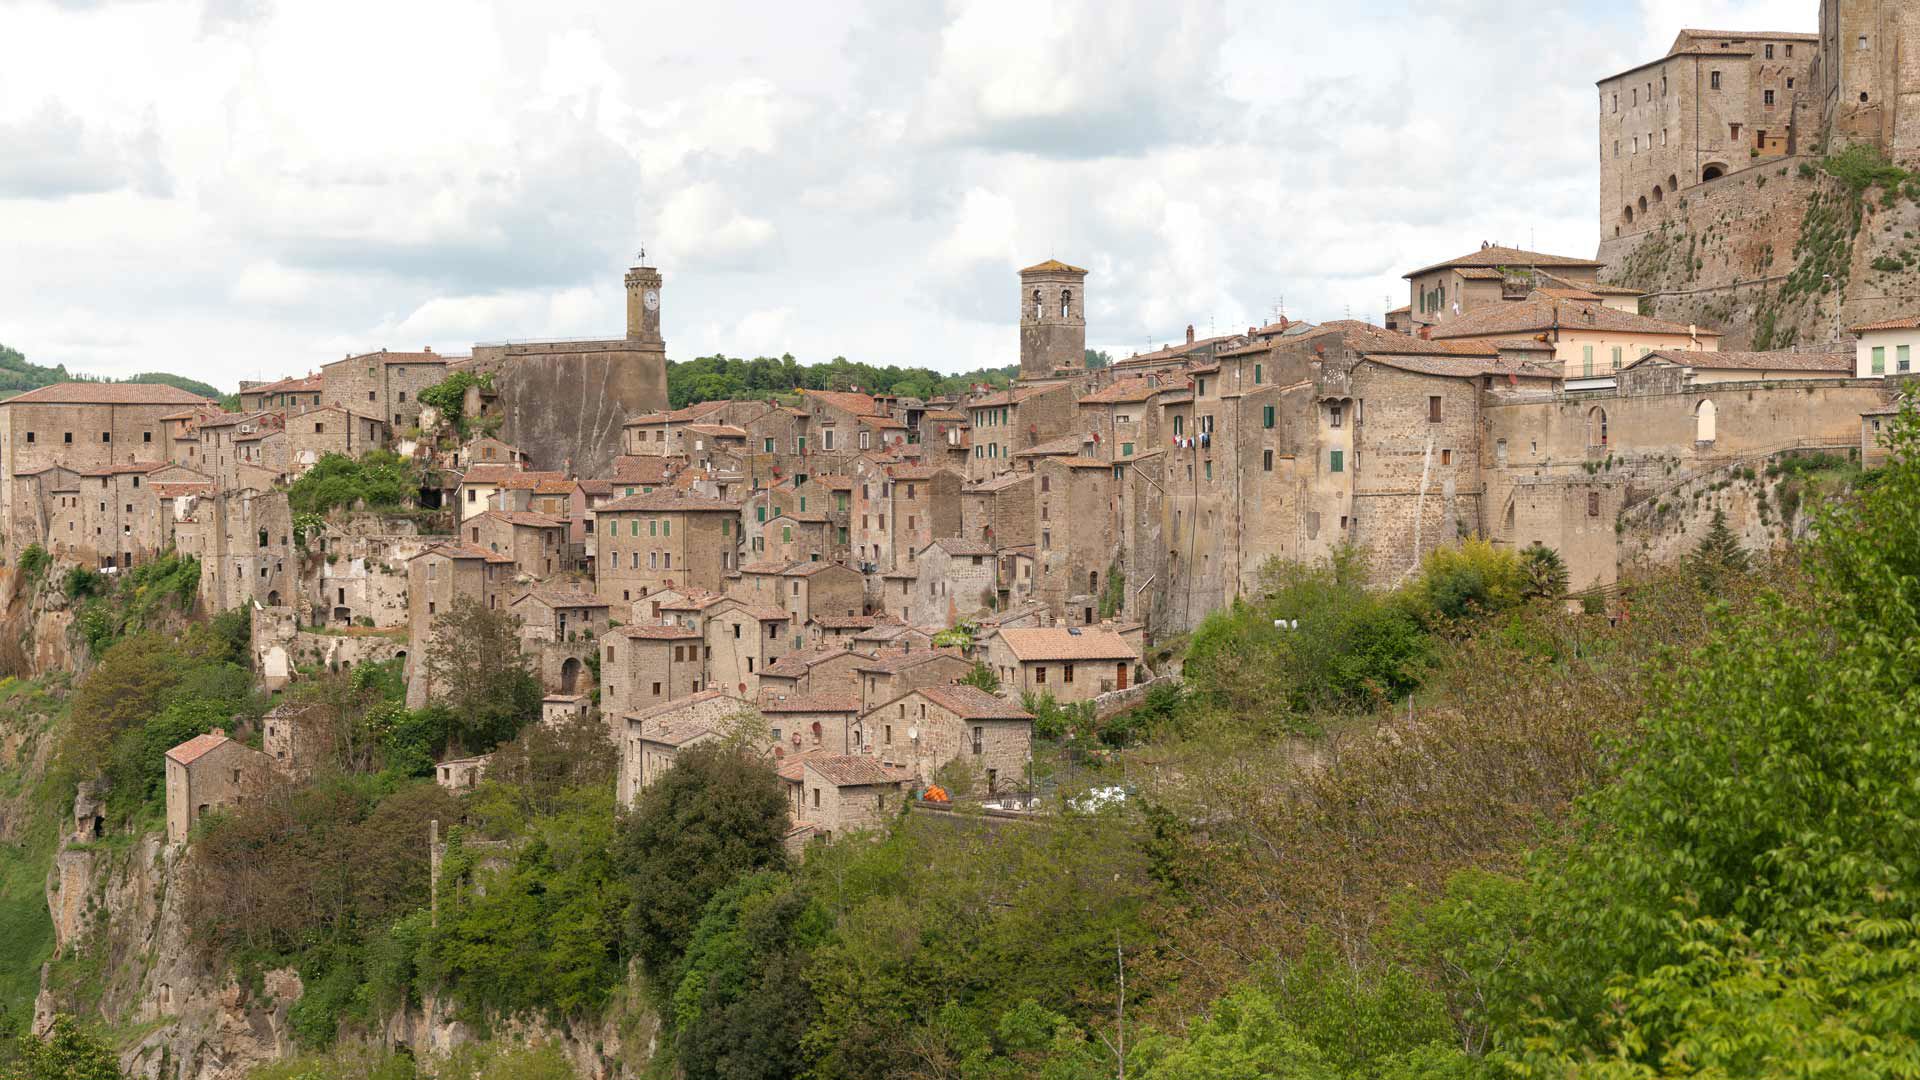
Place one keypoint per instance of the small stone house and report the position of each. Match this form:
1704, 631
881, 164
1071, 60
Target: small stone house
889, 675
1073, 663
928, 728
461, 774
956, 581
652, 737
643, 666
813, 723
842, 793
211, 772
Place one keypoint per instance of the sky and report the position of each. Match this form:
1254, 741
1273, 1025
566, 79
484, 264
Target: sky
246, 189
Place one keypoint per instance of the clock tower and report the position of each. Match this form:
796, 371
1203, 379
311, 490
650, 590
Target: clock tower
643, 305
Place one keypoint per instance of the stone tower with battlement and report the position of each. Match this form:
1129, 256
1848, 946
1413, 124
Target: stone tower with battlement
643, 304
1053, 319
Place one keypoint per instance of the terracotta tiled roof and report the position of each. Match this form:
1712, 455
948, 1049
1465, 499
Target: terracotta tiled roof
527, 518
814, 703
1908, 322
973, 703
463, 551
1529, 316
845, 401
795, 664
719, 431
945, 416
1543, 278
642, 469
1013, 396
1466, 367
851, 622
1523, 345
1368, 338
1052, 266
882, 422
1067, 445
127, 467
488, 474
900, 661
653, 632
1124, 392
916, 472
173, 491
540, 483
1496, 256
835, 483
808, 568
1173, 352
1067, 643
668, 502
999, 483
677, 416
91, 393
958, 545
855, 770
193, 749
764, 566
1567, 294
1838, 363
1479, 273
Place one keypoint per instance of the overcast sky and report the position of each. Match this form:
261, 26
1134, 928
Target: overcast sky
238, 189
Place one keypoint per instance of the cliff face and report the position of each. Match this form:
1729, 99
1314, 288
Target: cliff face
1774, 256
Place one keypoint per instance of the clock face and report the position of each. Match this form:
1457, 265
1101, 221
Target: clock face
651, 298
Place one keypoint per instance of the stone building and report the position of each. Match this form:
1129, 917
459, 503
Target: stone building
559, 628
643, 666
1716, 104
1489, 277
436, 579
1016, 419
898, 508
1591, 340
651, 737
956, 581
211, 772
839, 794
998, 511
298, 738
534, 541
813, 724
383, 384
1867, 75
1072, 663
930, 727
79, 426
330, 429
887, 675
664, 540
742, 641
813, 673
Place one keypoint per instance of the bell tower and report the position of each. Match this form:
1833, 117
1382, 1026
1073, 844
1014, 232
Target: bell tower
643, 303
1053, 319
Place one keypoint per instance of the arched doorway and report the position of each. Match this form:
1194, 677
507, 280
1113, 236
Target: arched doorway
1596, 426
1643, 204
273, 597
1628, 212
1713, 172
1673, 182
569, 675
1705, 421
1659, 194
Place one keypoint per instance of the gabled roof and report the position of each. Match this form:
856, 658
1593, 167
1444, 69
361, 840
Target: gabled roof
972, 703
1494, 255
92, 393
851, 622
1371, 339
528, 518
814, 703
1066, 643
998, 483
1068, 445
385, 357
1013, 396
563, 598
197, 747
489, 473
1532, 316
892, 662
795, 664
960, 545
845, 401
454, 550
1124, 392
855, 770
677, 416
810, 567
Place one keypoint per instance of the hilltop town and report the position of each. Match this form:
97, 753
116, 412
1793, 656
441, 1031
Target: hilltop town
839, 563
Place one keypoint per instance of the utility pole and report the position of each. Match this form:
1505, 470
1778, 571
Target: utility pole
1118, 1045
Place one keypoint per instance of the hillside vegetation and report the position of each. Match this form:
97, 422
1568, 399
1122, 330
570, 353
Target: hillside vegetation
1454, 830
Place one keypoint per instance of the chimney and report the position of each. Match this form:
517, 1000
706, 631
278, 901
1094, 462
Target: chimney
1426, 333
1189, 333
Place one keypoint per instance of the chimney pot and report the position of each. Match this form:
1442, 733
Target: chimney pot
1189, 333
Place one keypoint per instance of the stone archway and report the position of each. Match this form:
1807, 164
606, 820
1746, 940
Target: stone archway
1706, 421
570, 676
1713, 171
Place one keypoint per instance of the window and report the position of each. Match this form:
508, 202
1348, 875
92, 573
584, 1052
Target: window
1586, 361
1713, 81
1789, 55
1433, 409
977, 732
1040, 675
1266, 461
1336, 461
1126, 449
1446, 457
1769, 51
1902, 361
1879, 359
1767, 96
1209, 468
1862, 45
1616, 357
66, 437
1336, 415
146, 436
1066, 676
1616, 103
1593, 504
29, 438
1257, 373
1789, 84
1266, 417
1179, 426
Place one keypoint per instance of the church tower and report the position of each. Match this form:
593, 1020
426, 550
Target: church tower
1053, 319
643, 305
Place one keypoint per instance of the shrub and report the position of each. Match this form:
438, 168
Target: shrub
379, 479
34, 562
1475, 578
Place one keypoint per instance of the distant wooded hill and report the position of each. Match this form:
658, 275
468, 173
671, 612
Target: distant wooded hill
18, 375
712, 378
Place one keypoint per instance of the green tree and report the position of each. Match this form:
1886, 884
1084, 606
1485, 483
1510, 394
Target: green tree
713, 817
742, 1004
476, 668
1544, 573
68, 1052
1718, 553
982, 676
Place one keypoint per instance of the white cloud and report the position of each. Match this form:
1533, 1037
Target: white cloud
700, 227
235, 188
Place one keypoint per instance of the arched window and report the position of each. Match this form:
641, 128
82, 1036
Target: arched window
1705, 421
1673, 182
1643, 204
1659, 195
1596, 426
1629, 213
1066, 303
1093, 582
1039, 309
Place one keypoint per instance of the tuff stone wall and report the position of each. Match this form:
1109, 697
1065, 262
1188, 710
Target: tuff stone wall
1751, 254
564, 403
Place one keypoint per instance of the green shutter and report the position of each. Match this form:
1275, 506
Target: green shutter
1879, 359
1126, 449
1256, 374
1266, 417
1903, 358
760, 513
1338, 461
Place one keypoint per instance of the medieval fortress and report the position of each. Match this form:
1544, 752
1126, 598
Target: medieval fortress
798, 558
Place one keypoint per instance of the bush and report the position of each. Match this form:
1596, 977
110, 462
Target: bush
33, 563
449, 397
378, 479
1475, 578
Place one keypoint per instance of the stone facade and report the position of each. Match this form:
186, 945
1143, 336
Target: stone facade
211, 772
1053, 319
